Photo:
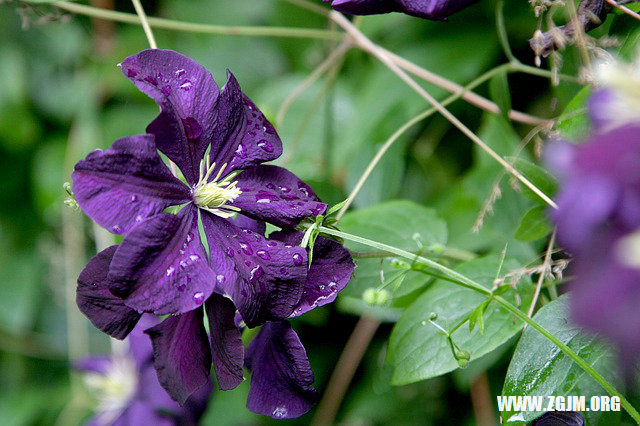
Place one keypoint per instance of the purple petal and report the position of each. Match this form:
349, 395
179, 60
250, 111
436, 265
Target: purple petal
602, 108
428, 9
364, 7
226, 342
127, 183
107, 312
244, 222
246, 138
181, 354
281, 375
139, 413
264, 278
276, 195
161, 266
188, 98
606, 295
330, 271
93, 364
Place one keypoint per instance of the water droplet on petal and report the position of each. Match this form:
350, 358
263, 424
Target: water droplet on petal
280, 413
134, 198
186, 85
284, 271
240, 151
266, 197
270, 186
183, 265
220, 278
265, 145
263, 254
189, 237
138, 218
246, 249
192, 128
170, 270
272, 243
230, 252
304, 191
116, 228
198, 297
297, 259
166, 90
131, 73
285, 189
194, 257
180, 73
256, 273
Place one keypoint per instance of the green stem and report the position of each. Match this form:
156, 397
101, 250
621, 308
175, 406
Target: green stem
168, 24
471, 284
528, 69
571, 354
502, 32
466, 282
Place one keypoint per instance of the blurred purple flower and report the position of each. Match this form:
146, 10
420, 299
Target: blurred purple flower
598, 220
127, 390
218, 139
428, 9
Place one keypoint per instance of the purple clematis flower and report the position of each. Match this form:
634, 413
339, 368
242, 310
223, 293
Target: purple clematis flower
428, 9
218, 139
598, 221
126, 387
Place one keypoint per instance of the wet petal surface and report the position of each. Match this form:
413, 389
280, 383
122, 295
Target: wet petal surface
226, 342
181, 354
264, 278
161, 266
331, 270
120, 187
106, 311
277, 196
281, 376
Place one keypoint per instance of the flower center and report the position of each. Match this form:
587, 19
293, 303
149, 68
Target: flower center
114, 389
214, 195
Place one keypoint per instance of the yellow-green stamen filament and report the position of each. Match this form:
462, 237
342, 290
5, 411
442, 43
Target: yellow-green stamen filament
213, 196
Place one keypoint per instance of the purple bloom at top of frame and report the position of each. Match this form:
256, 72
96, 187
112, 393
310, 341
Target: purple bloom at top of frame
127, 390
428, 9
598, 221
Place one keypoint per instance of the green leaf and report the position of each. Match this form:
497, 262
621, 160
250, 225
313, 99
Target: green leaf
538, 367
499, 90
541, 178
534, 225
417, 349
574, 122
402, 224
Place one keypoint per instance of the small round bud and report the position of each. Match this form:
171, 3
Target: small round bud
374, 297
399, 263
463, 358
433, 316
436, 248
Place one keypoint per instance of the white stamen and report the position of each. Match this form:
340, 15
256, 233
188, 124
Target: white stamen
213, 196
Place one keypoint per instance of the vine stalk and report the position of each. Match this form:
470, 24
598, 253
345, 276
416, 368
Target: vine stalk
464, 281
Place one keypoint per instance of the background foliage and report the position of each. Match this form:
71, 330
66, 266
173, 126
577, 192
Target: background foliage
62, 96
